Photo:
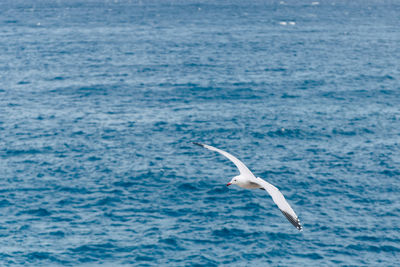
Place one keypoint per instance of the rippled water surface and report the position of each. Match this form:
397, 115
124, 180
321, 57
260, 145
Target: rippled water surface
100, 101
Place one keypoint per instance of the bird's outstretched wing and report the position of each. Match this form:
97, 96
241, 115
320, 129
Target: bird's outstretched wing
281, 202
240, 165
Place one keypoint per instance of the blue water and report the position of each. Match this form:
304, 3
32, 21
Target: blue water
100, 101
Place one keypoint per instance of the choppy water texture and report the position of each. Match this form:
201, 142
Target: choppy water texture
99, 101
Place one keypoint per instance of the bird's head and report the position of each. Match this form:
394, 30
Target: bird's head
235, 180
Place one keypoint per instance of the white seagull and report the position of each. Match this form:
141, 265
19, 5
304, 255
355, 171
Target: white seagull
247, 180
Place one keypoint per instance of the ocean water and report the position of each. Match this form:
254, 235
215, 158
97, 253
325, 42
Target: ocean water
100, 101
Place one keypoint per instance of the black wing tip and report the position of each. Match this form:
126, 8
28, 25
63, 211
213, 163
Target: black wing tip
299, 227
295, 221
199, 144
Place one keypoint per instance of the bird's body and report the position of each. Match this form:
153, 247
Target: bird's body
247, 180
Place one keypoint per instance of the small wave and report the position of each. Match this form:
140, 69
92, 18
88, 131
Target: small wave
202, 260
74, 190
39, 256
279, 236
391, 173
225, 232
352, 132
187, 187
141, 258
252, 206
87, 90
275, 69
57, 233
108, 201
41, 212
124, 184
56, 78
4, 203
372, 248
286, 95
18, 152
309, 84
23, 82
93, 158
217, 191
102, 247
313, 256
171, 243
283, 132
236, 233
10, 21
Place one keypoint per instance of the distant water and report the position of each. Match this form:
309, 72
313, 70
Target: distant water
99, 101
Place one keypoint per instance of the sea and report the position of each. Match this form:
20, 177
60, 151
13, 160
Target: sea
100, 101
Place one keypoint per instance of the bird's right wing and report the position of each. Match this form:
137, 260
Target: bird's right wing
281, 202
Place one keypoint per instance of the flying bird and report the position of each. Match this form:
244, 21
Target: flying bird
246, 179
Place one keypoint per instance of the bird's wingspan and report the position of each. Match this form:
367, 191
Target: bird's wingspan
276, 195
281, 202
240, 165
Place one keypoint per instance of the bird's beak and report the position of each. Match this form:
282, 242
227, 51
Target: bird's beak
228, 184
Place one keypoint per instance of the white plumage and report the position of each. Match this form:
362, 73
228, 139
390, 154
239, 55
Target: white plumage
247, 180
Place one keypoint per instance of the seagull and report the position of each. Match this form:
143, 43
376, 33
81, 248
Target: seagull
247, 180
